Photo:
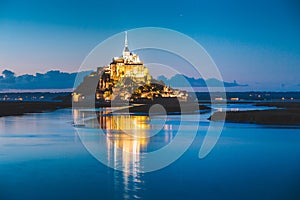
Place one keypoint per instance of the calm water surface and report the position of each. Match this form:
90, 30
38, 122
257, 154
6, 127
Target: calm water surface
42, 157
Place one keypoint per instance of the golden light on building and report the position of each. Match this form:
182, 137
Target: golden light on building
75, 97
127, 70
125, 79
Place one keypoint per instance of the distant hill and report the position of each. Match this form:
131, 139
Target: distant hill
179, 80
53, 79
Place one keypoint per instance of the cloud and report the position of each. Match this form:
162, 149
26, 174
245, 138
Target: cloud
53, 79
179, 80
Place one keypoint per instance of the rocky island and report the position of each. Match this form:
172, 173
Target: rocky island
126, 80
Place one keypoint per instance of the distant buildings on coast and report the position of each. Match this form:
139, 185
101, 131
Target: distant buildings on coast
253, 96
34, 96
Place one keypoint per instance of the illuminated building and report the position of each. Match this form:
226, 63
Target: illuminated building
126, 70
125, 79
129, 65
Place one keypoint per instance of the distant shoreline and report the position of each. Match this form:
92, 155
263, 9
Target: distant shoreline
287, 113
11, 91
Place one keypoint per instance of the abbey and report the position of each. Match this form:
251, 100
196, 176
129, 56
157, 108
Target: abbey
126, 67
129, 65
127, 79
122, 76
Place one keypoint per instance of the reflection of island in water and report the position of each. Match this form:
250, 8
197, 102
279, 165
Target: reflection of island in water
128, 132
127, 137
129, 181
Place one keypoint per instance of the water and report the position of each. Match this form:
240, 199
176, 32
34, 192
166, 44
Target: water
42, 157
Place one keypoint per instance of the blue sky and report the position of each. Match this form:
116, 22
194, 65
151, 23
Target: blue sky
254, 42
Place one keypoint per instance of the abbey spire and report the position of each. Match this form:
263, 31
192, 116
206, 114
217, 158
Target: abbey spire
126, 51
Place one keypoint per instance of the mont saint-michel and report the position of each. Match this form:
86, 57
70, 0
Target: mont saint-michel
126, 79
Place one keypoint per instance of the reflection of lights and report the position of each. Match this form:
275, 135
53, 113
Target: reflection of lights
126, 139
77, 117
126, 123
128, 133
124, 149
166, 127
126, 142
219, 99
234, 99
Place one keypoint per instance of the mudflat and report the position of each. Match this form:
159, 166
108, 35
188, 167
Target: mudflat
20, 108
285, 113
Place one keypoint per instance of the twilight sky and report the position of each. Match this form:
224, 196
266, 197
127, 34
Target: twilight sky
254, 42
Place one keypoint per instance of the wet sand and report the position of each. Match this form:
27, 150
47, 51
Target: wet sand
286, 113
20, 108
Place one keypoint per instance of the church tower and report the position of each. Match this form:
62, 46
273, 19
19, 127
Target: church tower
126, 52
